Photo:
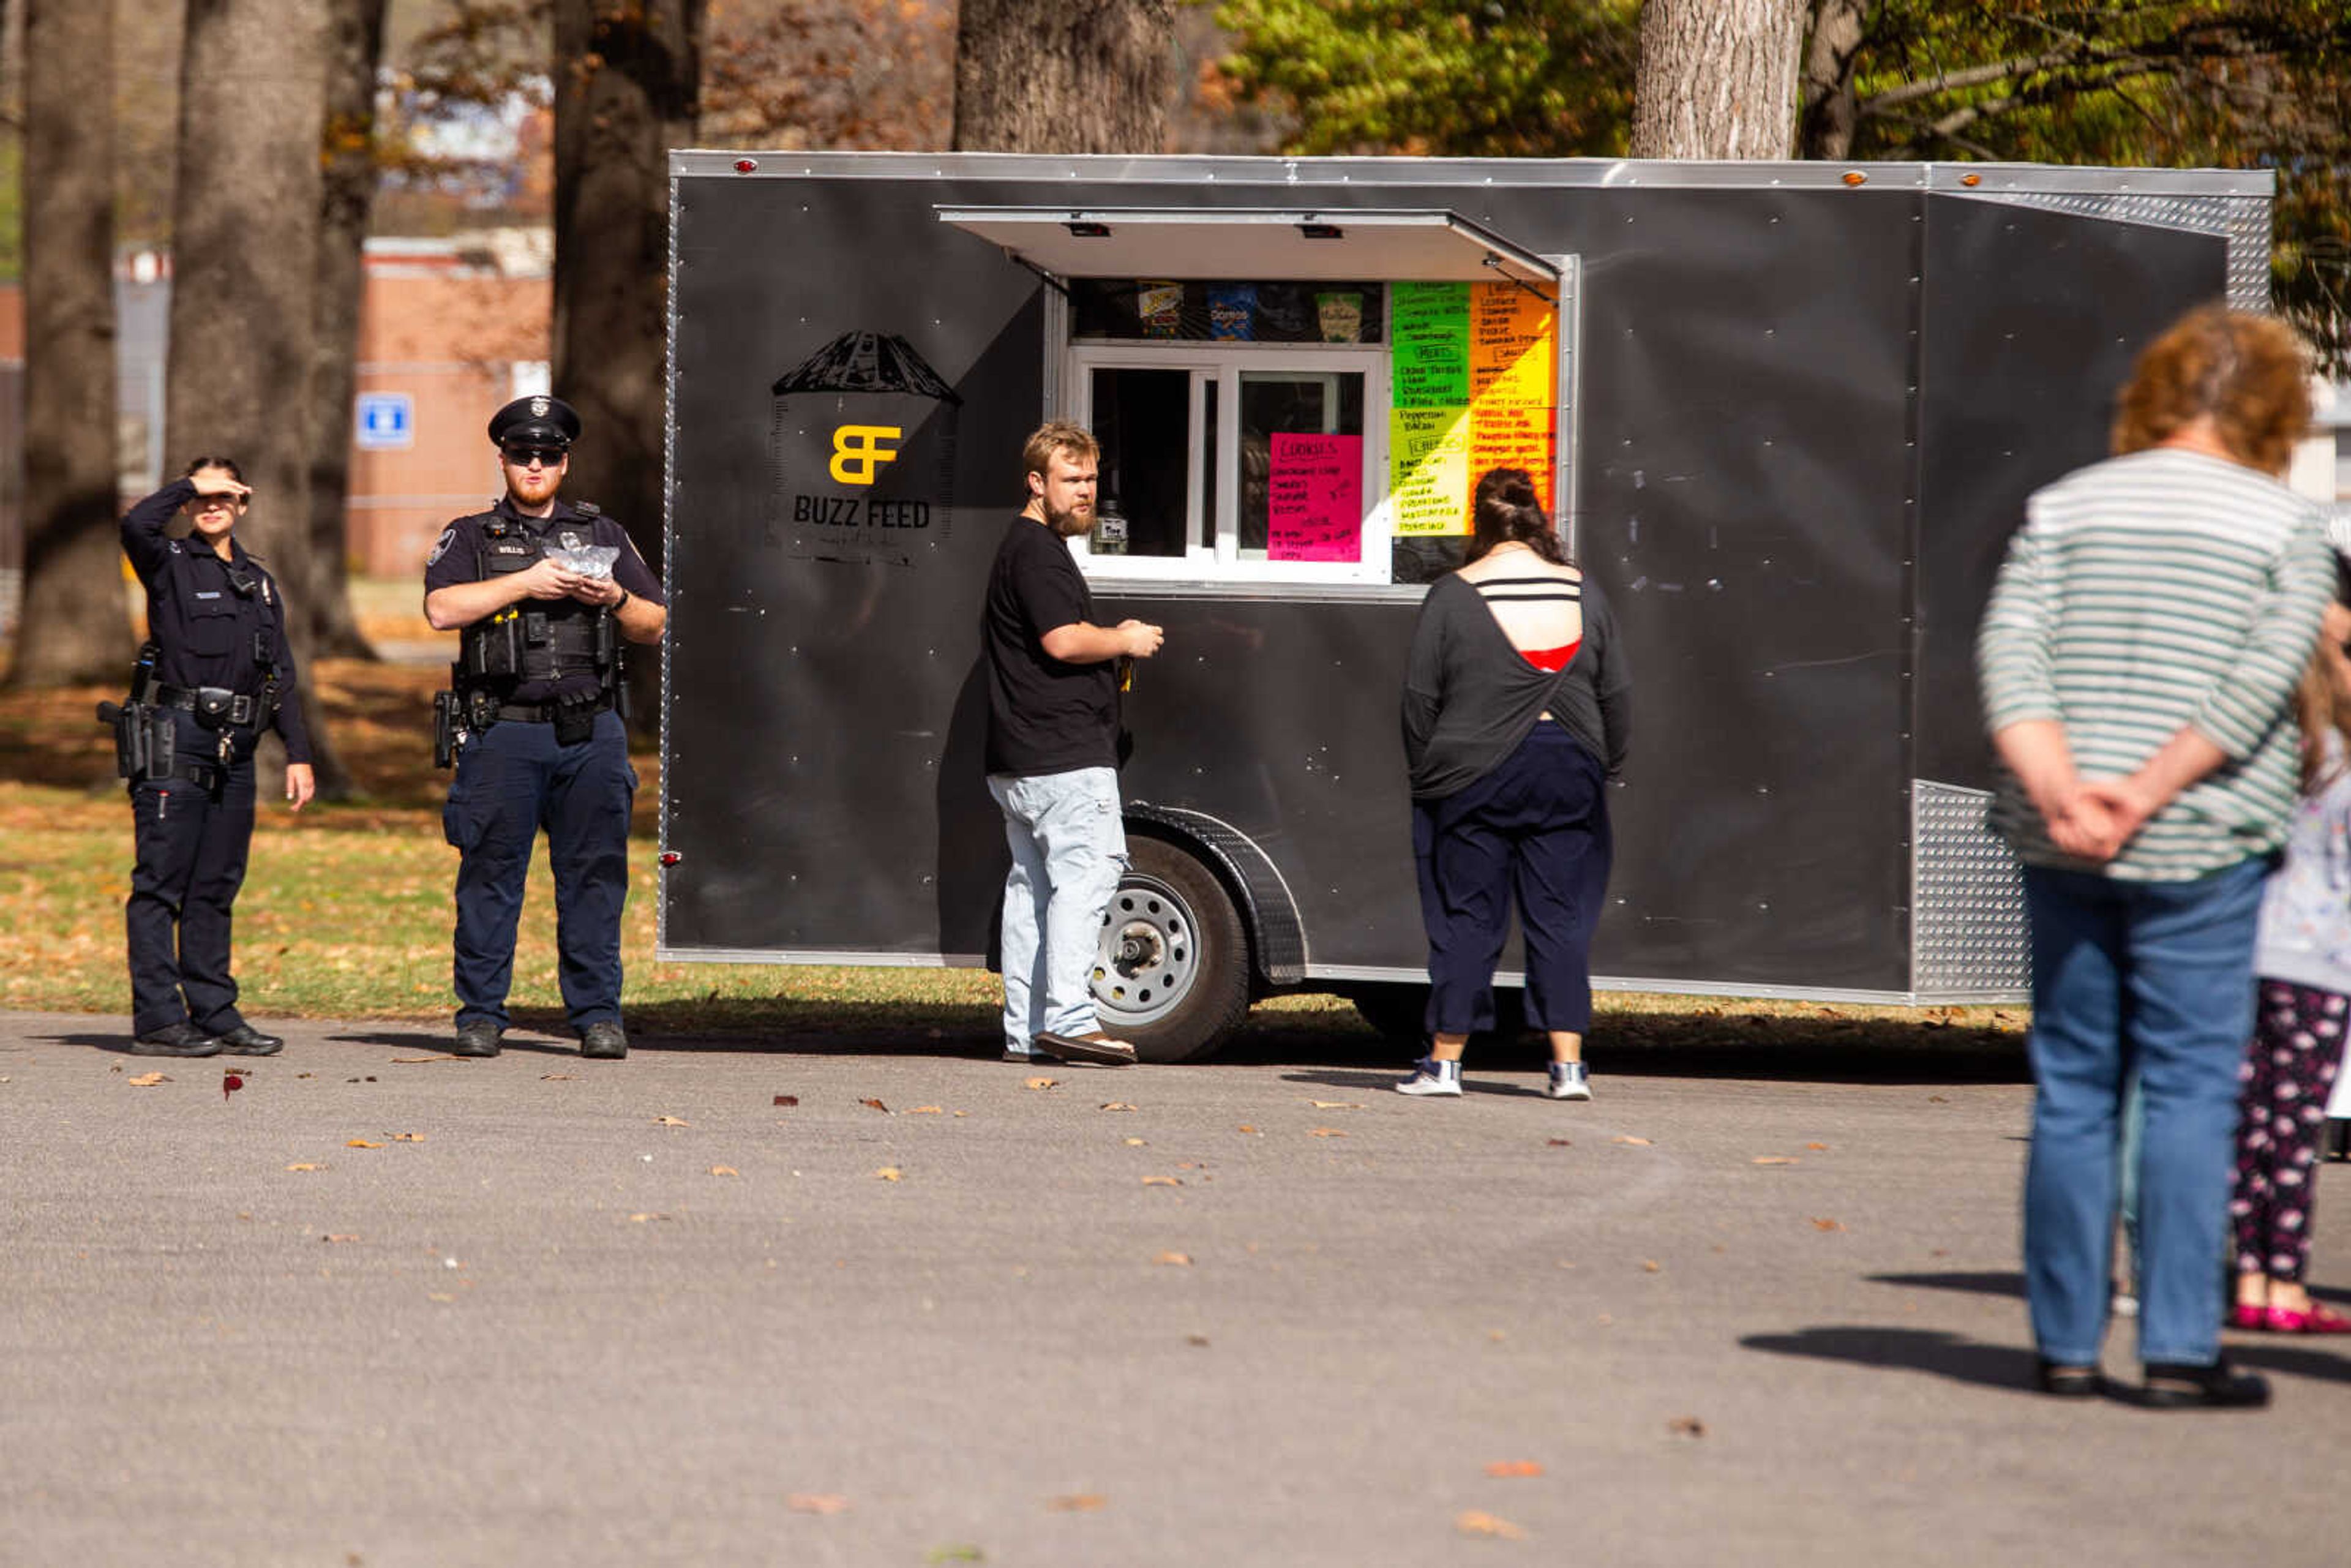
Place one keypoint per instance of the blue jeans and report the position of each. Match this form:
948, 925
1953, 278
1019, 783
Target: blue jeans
2156, 977
1069, 850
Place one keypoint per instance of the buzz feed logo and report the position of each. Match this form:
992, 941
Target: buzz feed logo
863, 444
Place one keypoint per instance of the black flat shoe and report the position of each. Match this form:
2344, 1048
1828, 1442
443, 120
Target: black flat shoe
475, 1038
2067, 1382
605, 1040
246, 1041
2175, 1385
175, 1040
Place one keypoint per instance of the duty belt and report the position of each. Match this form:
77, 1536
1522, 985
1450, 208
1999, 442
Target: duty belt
242, 708
544, 713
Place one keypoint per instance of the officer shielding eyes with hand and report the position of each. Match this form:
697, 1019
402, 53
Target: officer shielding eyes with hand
544, 593
217, 671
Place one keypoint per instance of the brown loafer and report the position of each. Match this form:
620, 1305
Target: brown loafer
1092, 1046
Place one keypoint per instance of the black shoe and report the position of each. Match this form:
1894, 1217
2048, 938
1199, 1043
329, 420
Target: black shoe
246, 1041
175, 1040
475, 1036
604, 1040
2069, 1382
2175, 1385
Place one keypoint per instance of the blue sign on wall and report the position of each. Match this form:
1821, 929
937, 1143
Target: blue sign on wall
386, 422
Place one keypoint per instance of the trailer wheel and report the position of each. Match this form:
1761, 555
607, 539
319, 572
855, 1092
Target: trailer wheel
1172, 972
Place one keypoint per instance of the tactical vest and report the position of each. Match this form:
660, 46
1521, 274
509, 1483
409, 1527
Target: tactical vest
534, 640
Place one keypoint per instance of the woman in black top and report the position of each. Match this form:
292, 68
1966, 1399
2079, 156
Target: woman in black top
220, 672
1514, 718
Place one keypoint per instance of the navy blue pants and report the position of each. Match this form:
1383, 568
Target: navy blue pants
512, 781
190, 845
1537, 826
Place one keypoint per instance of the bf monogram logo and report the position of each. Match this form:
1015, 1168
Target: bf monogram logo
857, 448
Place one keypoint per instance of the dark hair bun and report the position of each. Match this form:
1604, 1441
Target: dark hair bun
1518, 493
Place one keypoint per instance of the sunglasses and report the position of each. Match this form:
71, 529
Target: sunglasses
524, 456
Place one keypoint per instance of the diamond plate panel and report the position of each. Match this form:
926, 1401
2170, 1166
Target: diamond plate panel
2243, 221
1967, 926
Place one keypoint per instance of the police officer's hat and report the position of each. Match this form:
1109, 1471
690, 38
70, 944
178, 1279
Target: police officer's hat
536, 421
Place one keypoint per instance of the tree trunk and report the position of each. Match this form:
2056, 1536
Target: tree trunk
73, 628
1832, 109
626, 78
1717, 78
355, 48
1064, 76
244, 275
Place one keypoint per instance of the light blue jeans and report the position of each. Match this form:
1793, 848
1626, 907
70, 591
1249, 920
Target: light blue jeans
1069, 850
2155, 977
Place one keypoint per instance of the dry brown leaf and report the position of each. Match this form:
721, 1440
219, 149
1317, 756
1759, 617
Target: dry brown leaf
788, 1098
725, 1170
875, 1105
1176, 1259
1777, 1160
816, 1502
1325, 1132
1043, 1083
1650, 1265
408, 1137
890, 1173
1628, 1138
1686, 1426
418, 1060
927, 1111
670, 1122
1077, 1502
1119, 1105
1474, 1522
1335, 1105
555, 1078
339, 1237
1247, 1128
1162, 1181
1134, 1143
1198, 1341
305, 1166
1558, 1143
1511, 1469
360, 1144
1819, 1224
438, 1296
147, 1081
643, 1218
1816, 1145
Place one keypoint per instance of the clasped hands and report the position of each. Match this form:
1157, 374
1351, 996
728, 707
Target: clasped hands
2093, 818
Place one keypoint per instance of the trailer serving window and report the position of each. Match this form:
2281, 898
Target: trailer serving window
1295, 397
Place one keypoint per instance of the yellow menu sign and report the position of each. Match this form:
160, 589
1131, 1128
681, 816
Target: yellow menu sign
1445, 435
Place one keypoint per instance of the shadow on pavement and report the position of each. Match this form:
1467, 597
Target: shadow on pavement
1994, 1282
1944, 1354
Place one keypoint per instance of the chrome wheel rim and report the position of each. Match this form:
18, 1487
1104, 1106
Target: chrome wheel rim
1149, 955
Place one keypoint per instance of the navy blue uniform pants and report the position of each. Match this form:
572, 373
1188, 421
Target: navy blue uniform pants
1537, 826
190, 845
512, 781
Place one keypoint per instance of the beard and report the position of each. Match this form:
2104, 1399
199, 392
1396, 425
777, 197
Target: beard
1069, 524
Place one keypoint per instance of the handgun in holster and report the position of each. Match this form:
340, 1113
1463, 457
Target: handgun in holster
448, 733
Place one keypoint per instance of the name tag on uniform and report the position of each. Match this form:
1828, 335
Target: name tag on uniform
213, 593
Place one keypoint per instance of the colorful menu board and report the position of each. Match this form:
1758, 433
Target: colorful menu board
1473, 382
1314, 498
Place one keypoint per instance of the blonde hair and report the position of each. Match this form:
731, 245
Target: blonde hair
2251, 374
1057, 437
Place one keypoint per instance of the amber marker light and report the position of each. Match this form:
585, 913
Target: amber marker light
1856, 177
1971, 179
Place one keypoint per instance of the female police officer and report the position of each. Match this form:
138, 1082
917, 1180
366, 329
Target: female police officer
216, 671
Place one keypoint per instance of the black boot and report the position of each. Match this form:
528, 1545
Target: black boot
175, 1040
476, 1036
246, 1041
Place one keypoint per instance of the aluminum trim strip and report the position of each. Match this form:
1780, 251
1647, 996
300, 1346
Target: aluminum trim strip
1363, 249
841, 959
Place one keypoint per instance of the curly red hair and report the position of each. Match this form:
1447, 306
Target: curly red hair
2251, 374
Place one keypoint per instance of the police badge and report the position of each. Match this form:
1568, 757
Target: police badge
538, 408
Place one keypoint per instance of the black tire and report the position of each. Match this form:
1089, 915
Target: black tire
1173, 971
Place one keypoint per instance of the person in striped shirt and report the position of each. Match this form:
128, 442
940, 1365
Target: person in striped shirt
2138, 661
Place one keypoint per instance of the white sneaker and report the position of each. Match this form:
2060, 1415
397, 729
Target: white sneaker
1569, 1080
1431, 1076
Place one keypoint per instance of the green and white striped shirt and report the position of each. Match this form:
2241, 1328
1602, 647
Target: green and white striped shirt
2162, 588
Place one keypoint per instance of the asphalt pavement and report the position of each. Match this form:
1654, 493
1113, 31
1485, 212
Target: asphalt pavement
892, 1301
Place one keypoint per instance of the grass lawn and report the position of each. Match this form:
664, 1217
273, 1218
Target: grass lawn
347, 912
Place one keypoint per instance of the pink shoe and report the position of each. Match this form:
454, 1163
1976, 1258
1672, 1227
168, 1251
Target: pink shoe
2244, 1317
2319, 1320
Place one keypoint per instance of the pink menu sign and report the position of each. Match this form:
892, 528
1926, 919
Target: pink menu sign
1314, 498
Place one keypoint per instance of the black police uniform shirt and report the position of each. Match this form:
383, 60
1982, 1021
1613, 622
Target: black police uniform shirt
202, 618
1044, 716
458, 556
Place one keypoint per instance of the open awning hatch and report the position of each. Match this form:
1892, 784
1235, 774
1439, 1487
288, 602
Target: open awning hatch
1305, 245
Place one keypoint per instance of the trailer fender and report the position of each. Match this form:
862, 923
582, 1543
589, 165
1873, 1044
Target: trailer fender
1277, 935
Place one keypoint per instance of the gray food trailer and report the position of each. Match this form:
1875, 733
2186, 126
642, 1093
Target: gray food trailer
1787, 413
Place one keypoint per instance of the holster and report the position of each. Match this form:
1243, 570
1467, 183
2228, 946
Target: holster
129, 722
575, 719
448, 734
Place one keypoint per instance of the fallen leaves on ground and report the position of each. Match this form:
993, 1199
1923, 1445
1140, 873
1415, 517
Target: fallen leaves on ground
1135, 1144
1686, 1426
928, 1111
1196, 1341
1325, 1132
555, 1078
1174, 1259
1162, 1181
1119, 1105
1628, 1138
816, 1502
1474, 1522
725, 1170
1776, 1160
147, 1081
1335, 1105
337, 1236
1816, 1145
408, 1137
305, 1165
1512, 1470
955, 1555
646, 1219
1077, 1502
1558, 1143
420, 1060
670, 1122
1247, 1128
875, 1105
1043, 1083
1650, 1266
788, 1098
1819, 1224
360, 1144
890, 1173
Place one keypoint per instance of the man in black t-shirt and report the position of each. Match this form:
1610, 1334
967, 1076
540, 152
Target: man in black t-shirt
1052, 756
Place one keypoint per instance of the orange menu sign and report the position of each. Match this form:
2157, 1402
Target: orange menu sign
1439, 450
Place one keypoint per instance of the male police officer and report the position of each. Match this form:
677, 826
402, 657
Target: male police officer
532, 721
